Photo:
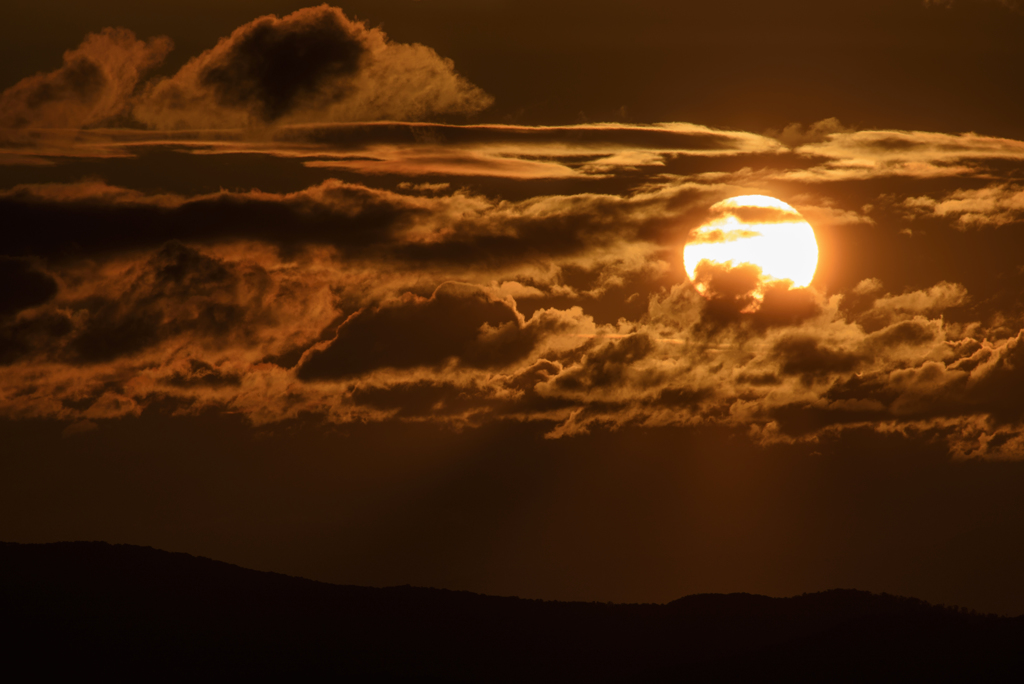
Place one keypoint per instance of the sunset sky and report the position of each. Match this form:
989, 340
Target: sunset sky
394, 292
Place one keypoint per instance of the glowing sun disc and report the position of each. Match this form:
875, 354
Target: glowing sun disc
754, 230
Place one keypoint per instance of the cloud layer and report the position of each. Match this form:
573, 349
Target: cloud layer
571, 311
470, 274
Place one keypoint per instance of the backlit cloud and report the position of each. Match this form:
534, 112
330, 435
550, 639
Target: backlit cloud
94, 86
240, 328
312, 65
994, 205
326, 261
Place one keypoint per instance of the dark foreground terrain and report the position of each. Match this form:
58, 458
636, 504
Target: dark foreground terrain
131, 612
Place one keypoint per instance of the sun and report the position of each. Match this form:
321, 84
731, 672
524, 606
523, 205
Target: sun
760, 234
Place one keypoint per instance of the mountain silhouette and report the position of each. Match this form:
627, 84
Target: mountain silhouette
125, 612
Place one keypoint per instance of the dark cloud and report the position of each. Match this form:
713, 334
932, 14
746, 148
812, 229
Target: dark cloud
179, 289
426, 399
236, 325
606, 365
915, 333
32, 335
458, 322
596, 234
77, 220
312, 65
995, 385
801, 420
22, 286
94, 86
786, 306
810, 359
678, 397
730, 290
272, 65
115, 329
198, 373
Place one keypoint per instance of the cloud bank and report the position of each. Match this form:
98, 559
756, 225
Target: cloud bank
463, 275
569, 311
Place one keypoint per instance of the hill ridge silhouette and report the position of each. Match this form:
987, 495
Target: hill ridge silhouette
138, 612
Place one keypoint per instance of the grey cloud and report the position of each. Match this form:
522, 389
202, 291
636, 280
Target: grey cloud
606, 365
811, 360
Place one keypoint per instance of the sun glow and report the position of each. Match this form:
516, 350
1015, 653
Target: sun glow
757, 231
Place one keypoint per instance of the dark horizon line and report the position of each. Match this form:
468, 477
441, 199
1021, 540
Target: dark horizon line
834, 590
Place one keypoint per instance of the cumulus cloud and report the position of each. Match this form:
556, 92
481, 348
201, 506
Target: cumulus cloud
312, 65
93, 87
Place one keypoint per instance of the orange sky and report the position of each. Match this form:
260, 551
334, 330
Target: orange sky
395, 294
